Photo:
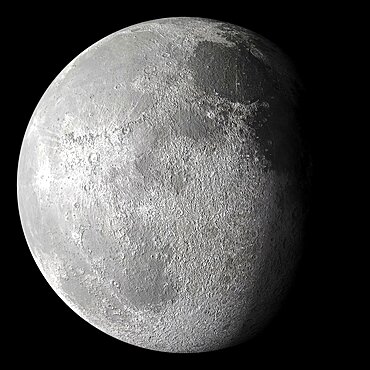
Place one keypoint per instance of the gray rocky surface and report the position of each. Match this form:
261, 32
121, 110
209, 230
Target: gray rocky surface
159, 184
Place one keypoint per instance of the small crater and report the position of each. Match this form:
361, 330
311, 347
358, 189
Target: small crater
256, 53
116, 284
94, 158
125, 130
118, 86
87, 187
150, 70
226, 279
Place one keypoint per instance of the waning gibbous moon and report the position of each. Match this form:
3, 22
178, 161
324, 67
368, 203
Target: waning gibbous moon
161, 184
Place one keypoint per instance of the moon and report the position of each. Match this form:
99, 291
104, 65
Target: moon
161, 184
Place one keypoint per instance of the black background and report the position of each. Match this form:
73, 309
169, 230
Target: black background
42, 40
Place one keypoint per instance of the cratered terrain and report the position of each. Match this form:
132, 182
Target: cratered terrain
161, 184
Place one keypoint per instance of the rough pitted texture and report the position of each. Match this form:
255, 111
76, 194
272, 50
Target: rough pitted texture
159, 184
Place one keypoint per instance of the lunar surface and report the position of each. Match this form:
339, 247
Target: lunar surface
160, 184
